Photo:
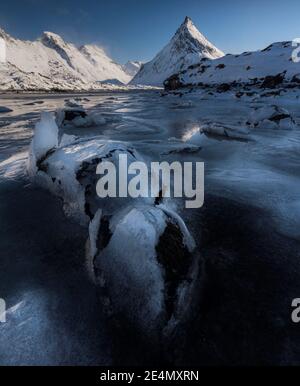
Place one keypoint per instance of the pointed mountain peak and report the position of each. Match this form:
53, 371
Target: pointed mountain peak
187, 47
189, 34
188, 27
187, 20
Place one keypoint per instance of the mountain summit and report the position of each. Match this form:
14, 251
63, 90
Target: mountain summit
188, 46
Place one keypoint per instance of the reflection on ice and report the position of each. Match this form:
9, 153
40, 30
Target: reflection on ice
190, 133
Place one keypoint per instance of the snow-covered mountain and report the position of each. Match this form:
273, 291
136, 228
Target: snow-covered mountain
51, 63
266, 68
186, 47
132, 67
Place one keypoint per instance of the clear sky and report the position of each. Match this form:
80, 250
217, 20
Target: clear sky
138, 29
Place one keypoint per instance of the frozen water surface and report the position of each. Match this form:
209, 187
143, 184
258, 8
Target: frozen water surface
248, 232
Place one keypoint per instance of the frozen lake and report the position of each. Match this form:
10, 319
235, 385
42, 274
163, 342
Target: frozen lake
248, 233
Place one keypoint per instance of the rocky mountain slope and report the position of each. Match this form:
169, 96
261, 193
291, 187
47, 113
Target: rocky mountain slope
186, 47
267, 68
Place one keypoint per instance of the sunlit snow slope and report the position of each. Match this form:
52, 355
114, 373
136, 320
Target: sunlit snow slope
51, 63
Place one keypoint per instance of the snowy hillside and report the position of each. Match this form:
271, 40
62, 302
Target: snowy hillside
132, 67
267, 68
186, 47
51, 63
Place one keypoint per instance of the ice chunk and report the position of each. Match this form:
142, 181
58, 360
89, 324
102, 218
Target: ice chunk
146, 264
45, 139
70, 172
271, 117
226, 131
78, 117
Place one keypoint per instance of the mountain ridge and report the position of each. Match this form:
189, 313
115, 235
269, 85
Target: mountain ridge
66, 66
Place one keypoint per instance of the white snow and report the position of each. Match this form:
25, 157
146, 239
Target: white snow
51, 63
186, 47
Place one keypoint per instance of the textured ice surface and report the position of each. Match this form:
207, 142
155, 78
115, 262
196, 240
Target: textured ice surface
248, 230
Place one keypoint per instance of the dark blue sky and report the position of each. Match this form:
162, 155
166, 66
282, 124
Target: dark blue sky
138, 29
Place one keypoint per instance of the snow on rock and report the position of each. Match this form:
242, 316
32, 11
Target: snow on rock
271, 117
146, 266
269, 68
186, 48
